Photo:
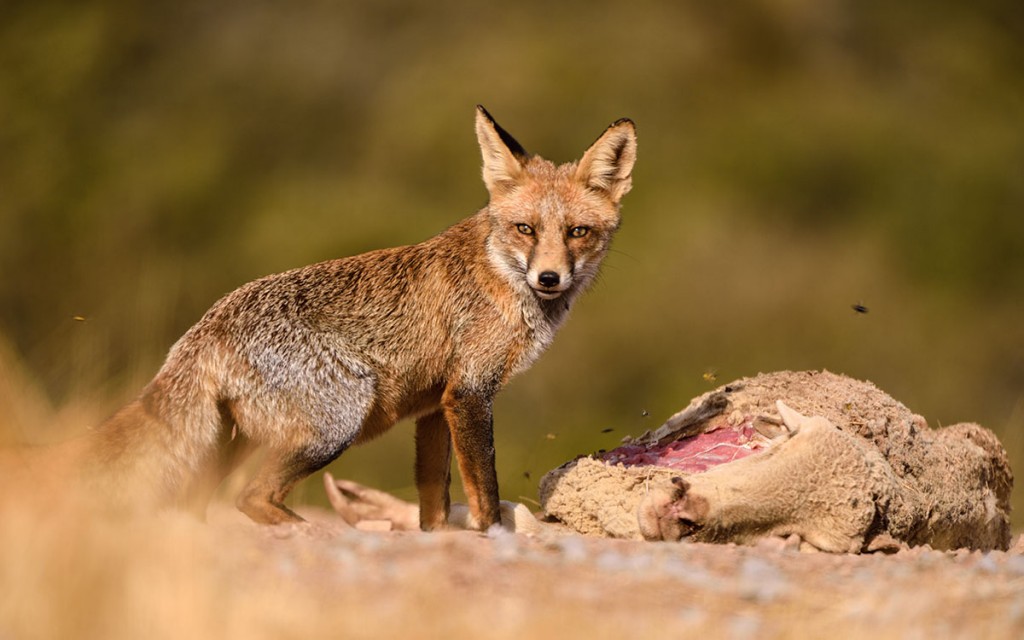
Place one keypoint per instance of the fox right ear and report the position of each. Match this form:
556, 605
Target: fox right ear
503, 156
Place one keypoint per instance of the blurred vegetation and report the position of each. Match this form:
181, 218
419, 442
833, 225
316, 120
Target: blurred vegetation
796, 158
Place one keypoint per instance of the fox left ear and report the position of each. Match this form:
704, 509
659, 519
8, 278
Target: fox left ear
608, 164
503, 156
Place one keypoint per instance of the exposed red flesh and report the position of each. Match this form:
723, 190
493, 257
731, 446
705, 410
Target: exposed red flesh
694, 454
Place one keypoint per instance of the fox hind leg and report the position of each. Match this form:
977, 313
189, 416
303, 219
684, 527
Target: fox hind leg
305, 432
281, 469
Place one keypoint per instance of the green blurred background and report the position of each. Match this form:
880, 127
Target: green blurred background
796, 157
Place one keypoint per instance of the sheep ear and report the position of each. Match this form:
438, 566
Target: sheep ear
608, 164
503, 156
792, 418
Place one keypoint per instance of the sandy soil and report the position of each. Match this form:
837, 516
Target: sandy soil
174, 577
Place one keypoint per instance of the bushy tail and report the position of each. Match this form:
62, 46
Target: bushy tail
141, 461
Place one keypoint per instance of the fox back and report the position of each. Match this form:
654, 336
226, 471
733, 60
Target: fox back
308, 362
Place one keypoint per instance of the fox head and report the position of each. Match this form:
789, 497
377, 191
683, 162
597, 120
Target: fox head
551, 224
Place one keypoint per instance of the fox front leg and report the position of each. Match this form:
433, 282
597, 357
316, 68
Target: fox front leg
433, 470
470, 420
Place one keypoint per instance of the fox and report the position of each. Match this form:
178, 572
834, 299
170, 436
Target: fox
306, 363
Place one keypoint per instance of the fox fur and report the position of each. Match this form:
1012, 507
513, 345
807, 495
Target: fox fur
308, 362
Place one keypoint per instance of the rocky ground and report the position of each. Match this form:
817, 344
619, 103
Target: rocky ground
174, 577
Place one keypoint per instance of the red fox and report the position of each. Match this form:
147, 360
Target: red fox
308, 362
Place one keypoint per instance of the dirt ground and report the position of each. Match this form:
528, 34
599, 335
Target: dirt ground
171, 576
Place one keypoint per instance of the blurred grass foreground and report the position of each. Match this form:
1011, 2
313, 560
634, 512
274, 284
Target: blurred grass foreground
796, 159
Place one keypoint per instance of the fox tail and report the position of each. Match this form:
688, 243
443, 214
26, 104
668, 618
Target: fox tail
141, 460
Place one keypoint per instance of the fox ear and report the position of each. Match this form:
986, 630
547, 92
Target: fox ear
503, 156
608, 164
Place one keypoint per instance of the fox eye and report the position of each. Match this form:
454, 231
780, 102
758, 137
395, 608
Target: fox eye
524, 229
579, 232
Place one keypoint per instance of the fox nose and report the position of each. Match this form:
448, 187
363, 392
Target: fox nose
548, 279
